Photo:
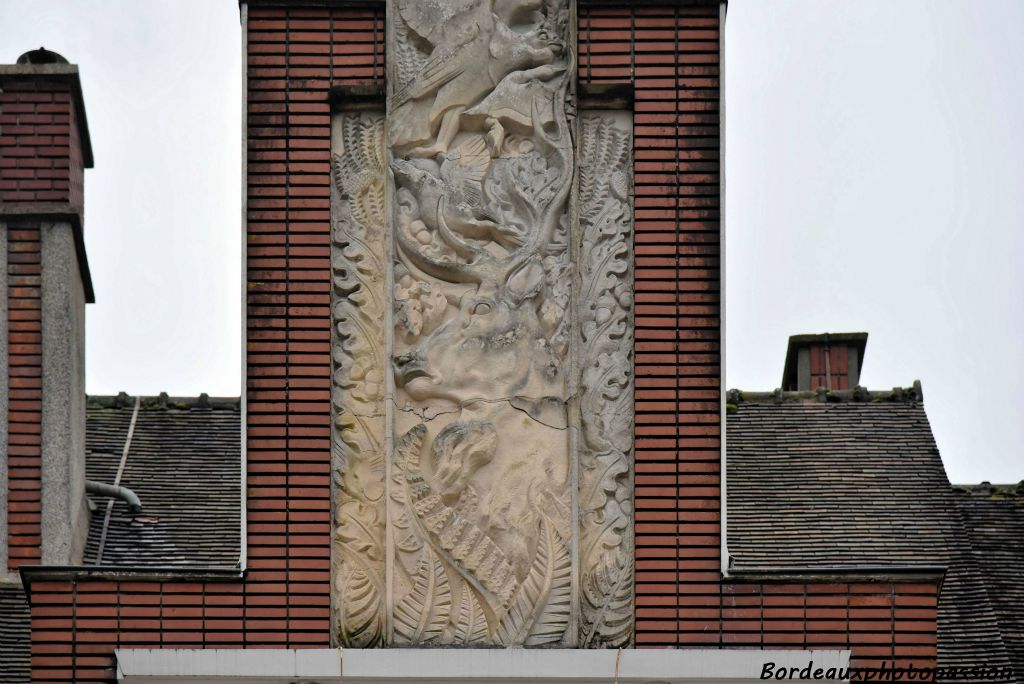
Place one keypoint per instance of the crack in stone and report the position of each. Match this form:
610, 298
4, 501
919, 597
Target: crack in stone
421, 413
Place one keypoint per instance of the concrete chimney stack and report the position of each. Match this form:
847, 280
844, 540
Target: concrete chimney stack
44, 149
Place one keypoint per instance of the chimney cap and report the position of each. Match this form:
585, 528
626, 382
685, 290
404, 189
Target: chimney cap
41, 56
48, 65
857, 340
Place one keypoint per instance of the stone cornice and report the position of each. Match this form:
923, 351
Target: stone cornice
57, 212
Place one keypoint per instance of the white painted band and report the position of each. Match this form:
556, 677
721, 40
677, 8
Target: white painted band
490, 666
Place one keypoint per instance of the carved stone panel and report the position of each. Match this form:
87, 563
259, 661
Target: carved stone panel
481, 155
483, 342
359, 371
606, 378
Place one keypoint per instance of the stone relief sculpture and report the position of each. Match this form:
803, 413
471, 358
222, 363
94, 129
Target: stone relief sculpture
483, 163
606, 388
358, 351
483, 343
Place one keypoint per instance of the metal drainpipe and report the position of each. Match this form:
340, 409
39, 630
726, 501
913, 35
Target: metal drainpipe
115, 491
723, 511
243, 526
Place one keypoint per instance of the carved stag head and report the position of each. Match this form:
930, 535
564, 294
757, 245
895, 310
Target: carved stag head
494, 347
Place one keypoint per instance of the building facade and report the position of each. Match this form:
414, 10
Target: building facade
483, 399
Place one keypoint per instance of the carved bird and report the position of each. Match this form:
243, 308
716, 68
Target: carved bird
472, 51
458, 193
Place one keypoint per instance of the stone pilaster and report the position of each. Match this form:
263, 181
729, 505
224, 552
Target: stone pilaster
65, 516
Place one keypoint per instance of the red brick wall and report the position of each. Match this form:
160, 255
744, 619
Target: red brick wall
77, 625
24, 371
40, 154
879, 621
671, 55
294, 58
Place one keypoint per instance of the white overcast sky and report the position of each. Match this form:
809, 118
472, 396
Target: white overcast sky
875, 174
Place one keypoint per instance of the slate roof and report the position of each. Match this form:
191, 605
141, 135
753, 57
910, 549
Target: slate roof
184, 464
15, 633
994, 517
847, 480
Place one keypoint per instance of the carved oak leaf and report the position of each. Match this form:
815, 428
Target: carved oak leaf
356, 359
606, 581
540, 611
422, 614
604, 477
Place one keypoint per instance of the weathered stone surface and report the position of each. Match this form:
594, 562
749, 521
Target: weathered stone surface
359, 371
64, 513
481, 502
606, 386
475, 504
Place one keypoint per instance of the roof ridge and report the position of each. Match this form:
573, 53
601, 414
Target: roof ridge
162, 400
907, 395
1008, 489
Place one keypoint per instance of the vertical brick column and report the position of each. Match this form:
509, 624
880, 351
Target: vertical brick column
4, 404
294, 56
671, 55
44, 149
23, 453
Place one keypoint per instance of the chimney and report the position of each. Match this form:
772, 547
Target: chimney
830, 361
44, 149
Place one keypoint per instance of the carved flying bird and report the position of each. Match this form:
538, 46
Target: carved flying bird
471, 53
437, 21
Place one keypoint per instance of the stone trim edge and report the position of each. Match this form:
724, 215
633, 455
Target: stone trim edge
382, 666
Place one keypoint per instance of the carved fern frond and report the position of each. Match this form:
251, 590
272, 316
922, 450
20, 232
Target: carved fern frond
359, 170
469, 550
359, 609
471, 627
539, 613
422, 614
410, 445
608, 601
